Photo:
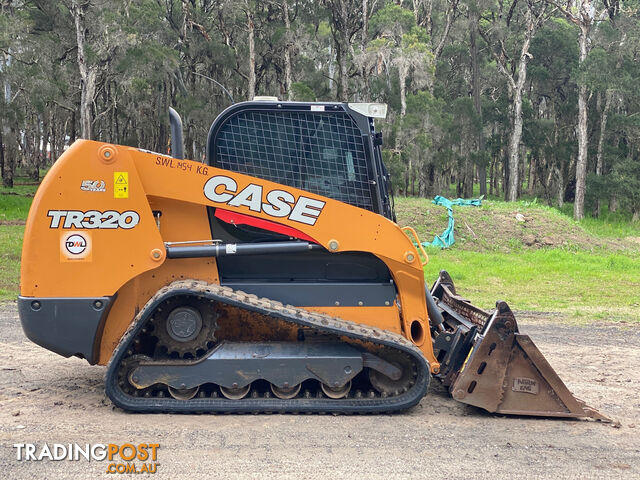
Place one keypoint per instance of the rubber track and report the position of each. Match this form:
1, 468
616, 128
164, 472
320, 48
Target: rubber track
299, 316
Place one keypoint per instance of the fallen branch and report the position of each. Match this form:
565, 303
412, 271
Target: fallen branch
469, 228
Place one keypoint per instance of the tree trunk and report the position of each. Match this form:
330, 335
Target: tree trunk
522, 166
341, 56
581, 163
560, 189
477, 102
514, 146
416, 8
74, 130
516, 87
406, 180
46, 138
516, 118
491, 180
340, 30
412, 180
600, 151
88, 74
1, 154
39, 139
10, 152
429, 18
467, 186
363, 47
332, 68
532, 173
450, 18
251, 92
287, 51
403, 72
54, 137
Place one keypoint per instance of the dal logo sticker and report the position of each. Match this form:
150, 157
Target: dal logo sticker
75, 246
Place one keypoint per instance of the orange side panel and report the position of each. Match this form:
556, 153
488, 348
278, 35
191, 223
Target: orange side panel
116, 254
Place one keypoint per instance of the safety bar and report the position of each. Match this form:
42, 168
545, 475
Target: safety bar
418, 243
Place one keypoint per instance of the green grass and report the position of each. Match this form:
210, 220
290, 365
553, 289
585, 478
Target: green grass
608, 224
14, 208
10, 249
22, 186
15, 202
580, 285
586, 271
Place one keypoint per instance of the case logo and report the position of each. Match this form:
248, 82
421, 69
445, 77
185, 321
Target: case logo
278, 204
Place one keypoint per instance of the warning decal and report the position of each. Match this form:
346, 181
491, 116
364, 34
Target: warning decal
120, 184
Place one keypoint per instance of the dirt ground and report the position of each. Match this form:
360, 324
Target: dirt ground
47, 398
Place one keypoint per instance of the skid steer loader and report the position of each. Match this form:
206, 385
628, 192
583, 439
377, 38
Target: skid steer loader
270, 278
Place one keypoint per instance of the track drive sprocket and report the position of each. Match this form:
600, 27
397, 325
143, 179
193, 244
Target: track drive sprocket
185, 326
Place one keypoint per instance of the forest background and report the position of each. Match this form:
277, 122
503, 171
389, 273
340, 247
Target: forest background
515, 97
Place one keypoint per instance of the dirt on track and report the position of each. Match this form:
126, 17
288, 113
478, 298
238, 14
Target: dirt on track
47, 398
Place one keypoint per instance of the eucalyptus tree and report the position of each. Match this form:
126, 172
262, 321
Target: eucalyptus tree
585, 14
508, 30
346, 21
550, 132
482, 84
400, 46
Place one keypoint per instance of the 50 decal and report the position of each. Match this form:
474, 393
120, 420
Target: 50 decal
109, 219
279, 203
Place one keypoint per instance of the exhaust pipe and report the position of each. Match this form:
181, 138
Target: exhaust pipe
177, 146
